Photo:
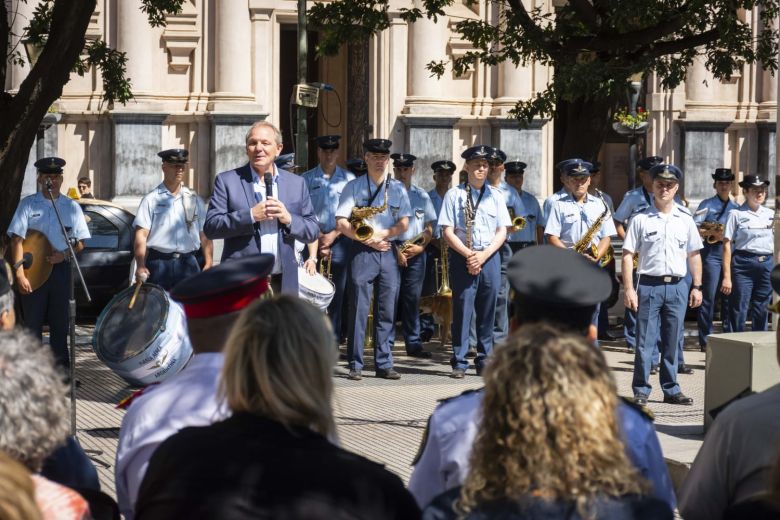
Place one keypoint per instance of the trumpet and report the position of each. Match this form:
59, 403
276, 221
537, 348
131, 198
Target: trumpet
708, 230
517, 221
417, 240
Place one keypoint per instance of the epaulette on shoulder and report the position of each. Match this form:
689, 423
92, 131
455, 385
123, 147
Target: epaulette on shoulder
684, 209
452, 398
644, 410
125, 403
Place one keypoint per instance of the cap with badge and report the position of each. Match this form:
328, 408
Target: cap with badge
328, 142
477, 152
723, 174
357, 166
577, 168
549, 275
225, 288
497, 156
753, 181
403, 160
515, 168
561, 166
174, 155
50, 165
286, 162
447, 166
668, 172
378, 145
648, 162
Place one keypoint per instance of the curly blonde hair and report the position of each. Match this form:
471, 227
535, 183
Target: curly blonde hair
549, 425
17, 491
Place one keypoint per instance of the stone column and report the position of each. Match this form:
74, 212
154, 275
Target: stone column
20, 13
428, 39
134, 38
233, 50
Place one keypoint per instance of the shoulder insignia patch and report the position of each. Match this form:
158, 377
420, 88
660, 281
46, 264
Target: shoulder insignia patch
644, 410
125, 403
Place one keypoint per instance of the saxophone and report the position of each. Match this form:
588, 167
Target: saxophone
360, 214
468, 216
584, 245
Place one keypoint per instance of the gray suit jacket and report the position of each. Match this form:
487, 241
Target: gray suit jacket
230, 217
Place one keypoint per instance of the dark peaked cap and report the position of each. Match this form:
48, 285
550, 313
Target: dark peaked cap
557, 277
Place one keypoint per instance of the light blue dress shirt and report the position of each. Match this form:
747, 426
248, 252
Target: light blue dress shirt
751, 231
423, 212
662, 241
716, 212
269, 229
491, 215
37, 212
634, 201
548, 202
165, 216
437, 201
569, 220
325, 194
356, 193
530, 209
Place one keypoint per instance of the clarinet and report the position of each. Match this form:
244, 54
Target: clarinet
468, 216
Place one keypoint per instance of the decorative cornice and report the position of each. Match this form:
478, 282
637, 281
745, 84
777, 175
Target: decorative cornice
182, 36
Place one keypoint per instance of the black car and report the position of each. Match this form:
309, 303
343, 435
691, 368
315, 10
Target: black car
107, 258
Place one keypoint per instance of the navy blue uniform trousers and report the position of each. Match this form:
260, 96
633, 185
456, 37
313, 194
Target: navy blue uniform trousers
751, 291
711, 278
49, 304
412, 277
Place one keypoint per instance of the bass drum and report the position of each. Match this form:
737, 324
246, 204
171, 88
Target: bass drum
145, 344
315, 289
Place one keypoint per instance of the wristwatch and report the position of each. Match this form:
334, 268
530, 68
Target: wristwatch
697, 287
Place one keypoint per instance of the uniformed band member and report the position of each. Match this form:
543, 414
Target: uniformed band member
169, 227
325, 184
374, 266
714, 211
357, 166
212, 301
475, 268
548, 202
560, 288
48, 303
531, 234
412, 260
664, 236
748, 244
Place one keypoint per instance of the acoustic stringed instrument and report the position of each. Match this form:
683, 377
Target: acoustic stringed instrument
36, 244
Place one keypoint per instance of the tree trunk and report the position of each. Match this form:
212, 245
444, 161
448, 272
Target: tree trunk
357, 98
21, 114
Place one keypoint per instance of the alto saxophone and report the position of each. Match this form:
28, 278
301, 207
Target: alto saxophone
708, 230
584, 245
360, 214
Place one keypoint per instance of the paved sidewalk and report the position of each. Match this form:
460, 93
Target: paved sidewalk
384, 420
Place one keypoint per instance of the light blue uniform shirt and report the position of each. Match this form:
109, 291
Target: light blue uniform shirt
437, 201
325, 193
269, 229
356, 193
662, 241
491, 215
715, 211
548, 202
530, 209
633, 202
423, 212
570, 220
36, 212
751, 231
165, 216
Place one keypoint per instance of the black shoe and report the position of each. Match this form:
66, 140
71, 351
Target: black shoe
653, 370
640, 399
678, 398
419, 354
426, 335
458, 373
472, 353
355, 375
703, 348
608, 336
389, 373
682, 369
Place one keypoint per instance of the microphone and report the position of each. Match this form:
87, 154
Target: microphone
48, 184
269, 185
26, 261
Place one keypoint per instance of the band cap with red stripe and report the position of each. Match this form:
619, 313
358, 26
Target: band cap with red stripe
225, 288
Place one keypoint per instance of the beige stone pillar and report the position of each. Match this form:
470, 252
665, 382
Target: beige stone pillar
700, 85
20, 13
427, 42
134, 39
233, 49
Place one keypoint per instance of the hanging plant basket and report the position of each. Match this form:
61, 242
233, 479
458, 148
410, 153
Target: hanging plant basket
631, 129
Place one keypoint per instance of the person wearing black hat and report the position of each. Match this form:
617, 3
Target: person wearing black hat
286, 162
49, 302
665, 238
533, 232
474, 221
558, 287
711, 217
561, 193
259, 208
325, 183
212, 302
410, 247
374, 266
748, 246
169, 227
357, 166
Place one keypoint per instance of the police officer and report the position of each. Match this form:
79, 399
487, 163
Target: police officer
49, 302
748, 243
531, 234
713, 211
475, 268
664, 236
373, 265
326, 183
556, 287
411, 254
169, 227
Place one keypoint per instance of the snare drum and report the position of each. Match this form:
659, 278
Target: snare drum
315, 289
145, 344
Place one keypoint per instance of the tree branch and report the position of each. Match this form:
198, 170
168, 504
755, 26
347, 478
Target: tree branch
533, 31
587, 14
674, 46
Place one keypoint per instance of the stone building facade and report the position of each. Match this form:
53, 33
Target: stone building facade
221, 65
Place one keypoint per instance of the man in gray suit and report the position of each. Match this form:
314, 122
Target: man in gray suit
260, 208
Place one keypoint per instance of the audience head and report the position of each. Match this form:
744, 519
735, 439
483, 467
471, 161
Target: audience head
549, 424
33, 400
279, 360
17, 491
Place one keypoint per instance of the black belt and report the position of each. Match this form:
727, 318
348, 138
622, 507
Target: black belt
761, 257
659, 279
523, 244
153, 254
